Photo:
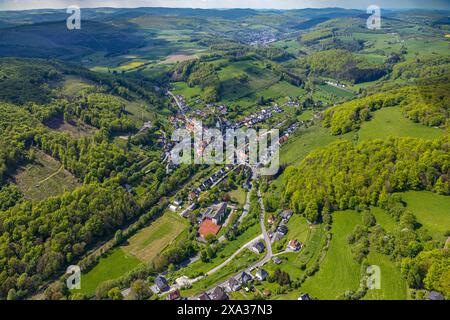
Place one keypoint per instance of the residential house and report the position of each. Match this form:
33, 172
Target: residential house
277, 237
434, 295
261, 274
161, 284
126, 292
245, 278
174, 295
304, 297
283, 230
286, 215
192, 196
276, 260
173, 208
258, 247
233, 285
178, 202
294, 245
271, 220
218, 294
203, 296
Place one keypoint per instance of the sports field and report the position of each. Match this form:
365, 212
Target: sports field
148, 242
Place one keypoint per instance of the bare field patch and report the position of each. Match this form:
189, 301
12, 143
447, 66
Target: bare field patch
76, 130
44, 178
174, 58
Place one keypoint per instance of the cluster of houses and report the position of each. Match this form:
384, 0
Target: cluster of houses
243, 280
182, 103
289, 131
336, 84
209, 182
282, 230
260, 116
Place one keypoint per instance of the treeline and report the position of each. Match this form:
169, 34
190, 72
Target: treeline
38, 240
344, 176
428, 105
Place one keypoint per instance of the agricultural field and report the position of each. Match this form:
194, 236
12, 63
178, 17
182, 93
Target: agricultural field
43, 178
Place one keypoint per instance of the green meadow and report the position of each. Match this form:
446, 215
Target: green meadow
114, 265
338, 272
432, 211
390, 122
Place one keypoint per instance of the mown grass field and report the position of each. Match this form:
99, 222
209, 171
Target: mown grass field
338, 272
390, 122
44, 178
338, 92
432, 211
148, 242
384, 219
114, 265
305, 141
392, 285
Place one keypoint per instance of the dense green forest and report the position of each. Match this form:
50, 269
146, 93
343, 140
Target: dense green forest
344, 176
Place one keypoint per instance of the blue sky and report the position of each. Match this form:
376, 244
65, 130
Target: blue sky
279, 4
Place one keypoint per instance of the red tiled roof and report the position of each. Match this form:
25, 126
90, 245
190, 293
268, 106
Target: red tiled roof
208, 227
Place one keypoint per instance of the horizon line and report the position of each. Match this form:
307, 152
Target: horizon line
229, 9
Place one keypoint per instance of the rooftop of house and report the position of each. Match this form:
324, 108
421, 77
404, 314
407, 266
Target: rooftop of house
218, 294
434, 295
204, 296
262, 273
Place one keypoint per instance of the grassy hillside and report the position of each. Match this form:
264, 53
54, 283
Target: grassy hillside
432, 210
338, 272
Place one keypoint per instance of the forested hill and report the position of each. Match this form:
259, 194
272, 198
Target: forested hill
344, 176
37, 80
428, 105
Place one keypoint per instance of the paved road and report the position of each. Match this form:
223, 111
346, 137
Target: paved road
178, 104
269, 252
245, 246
